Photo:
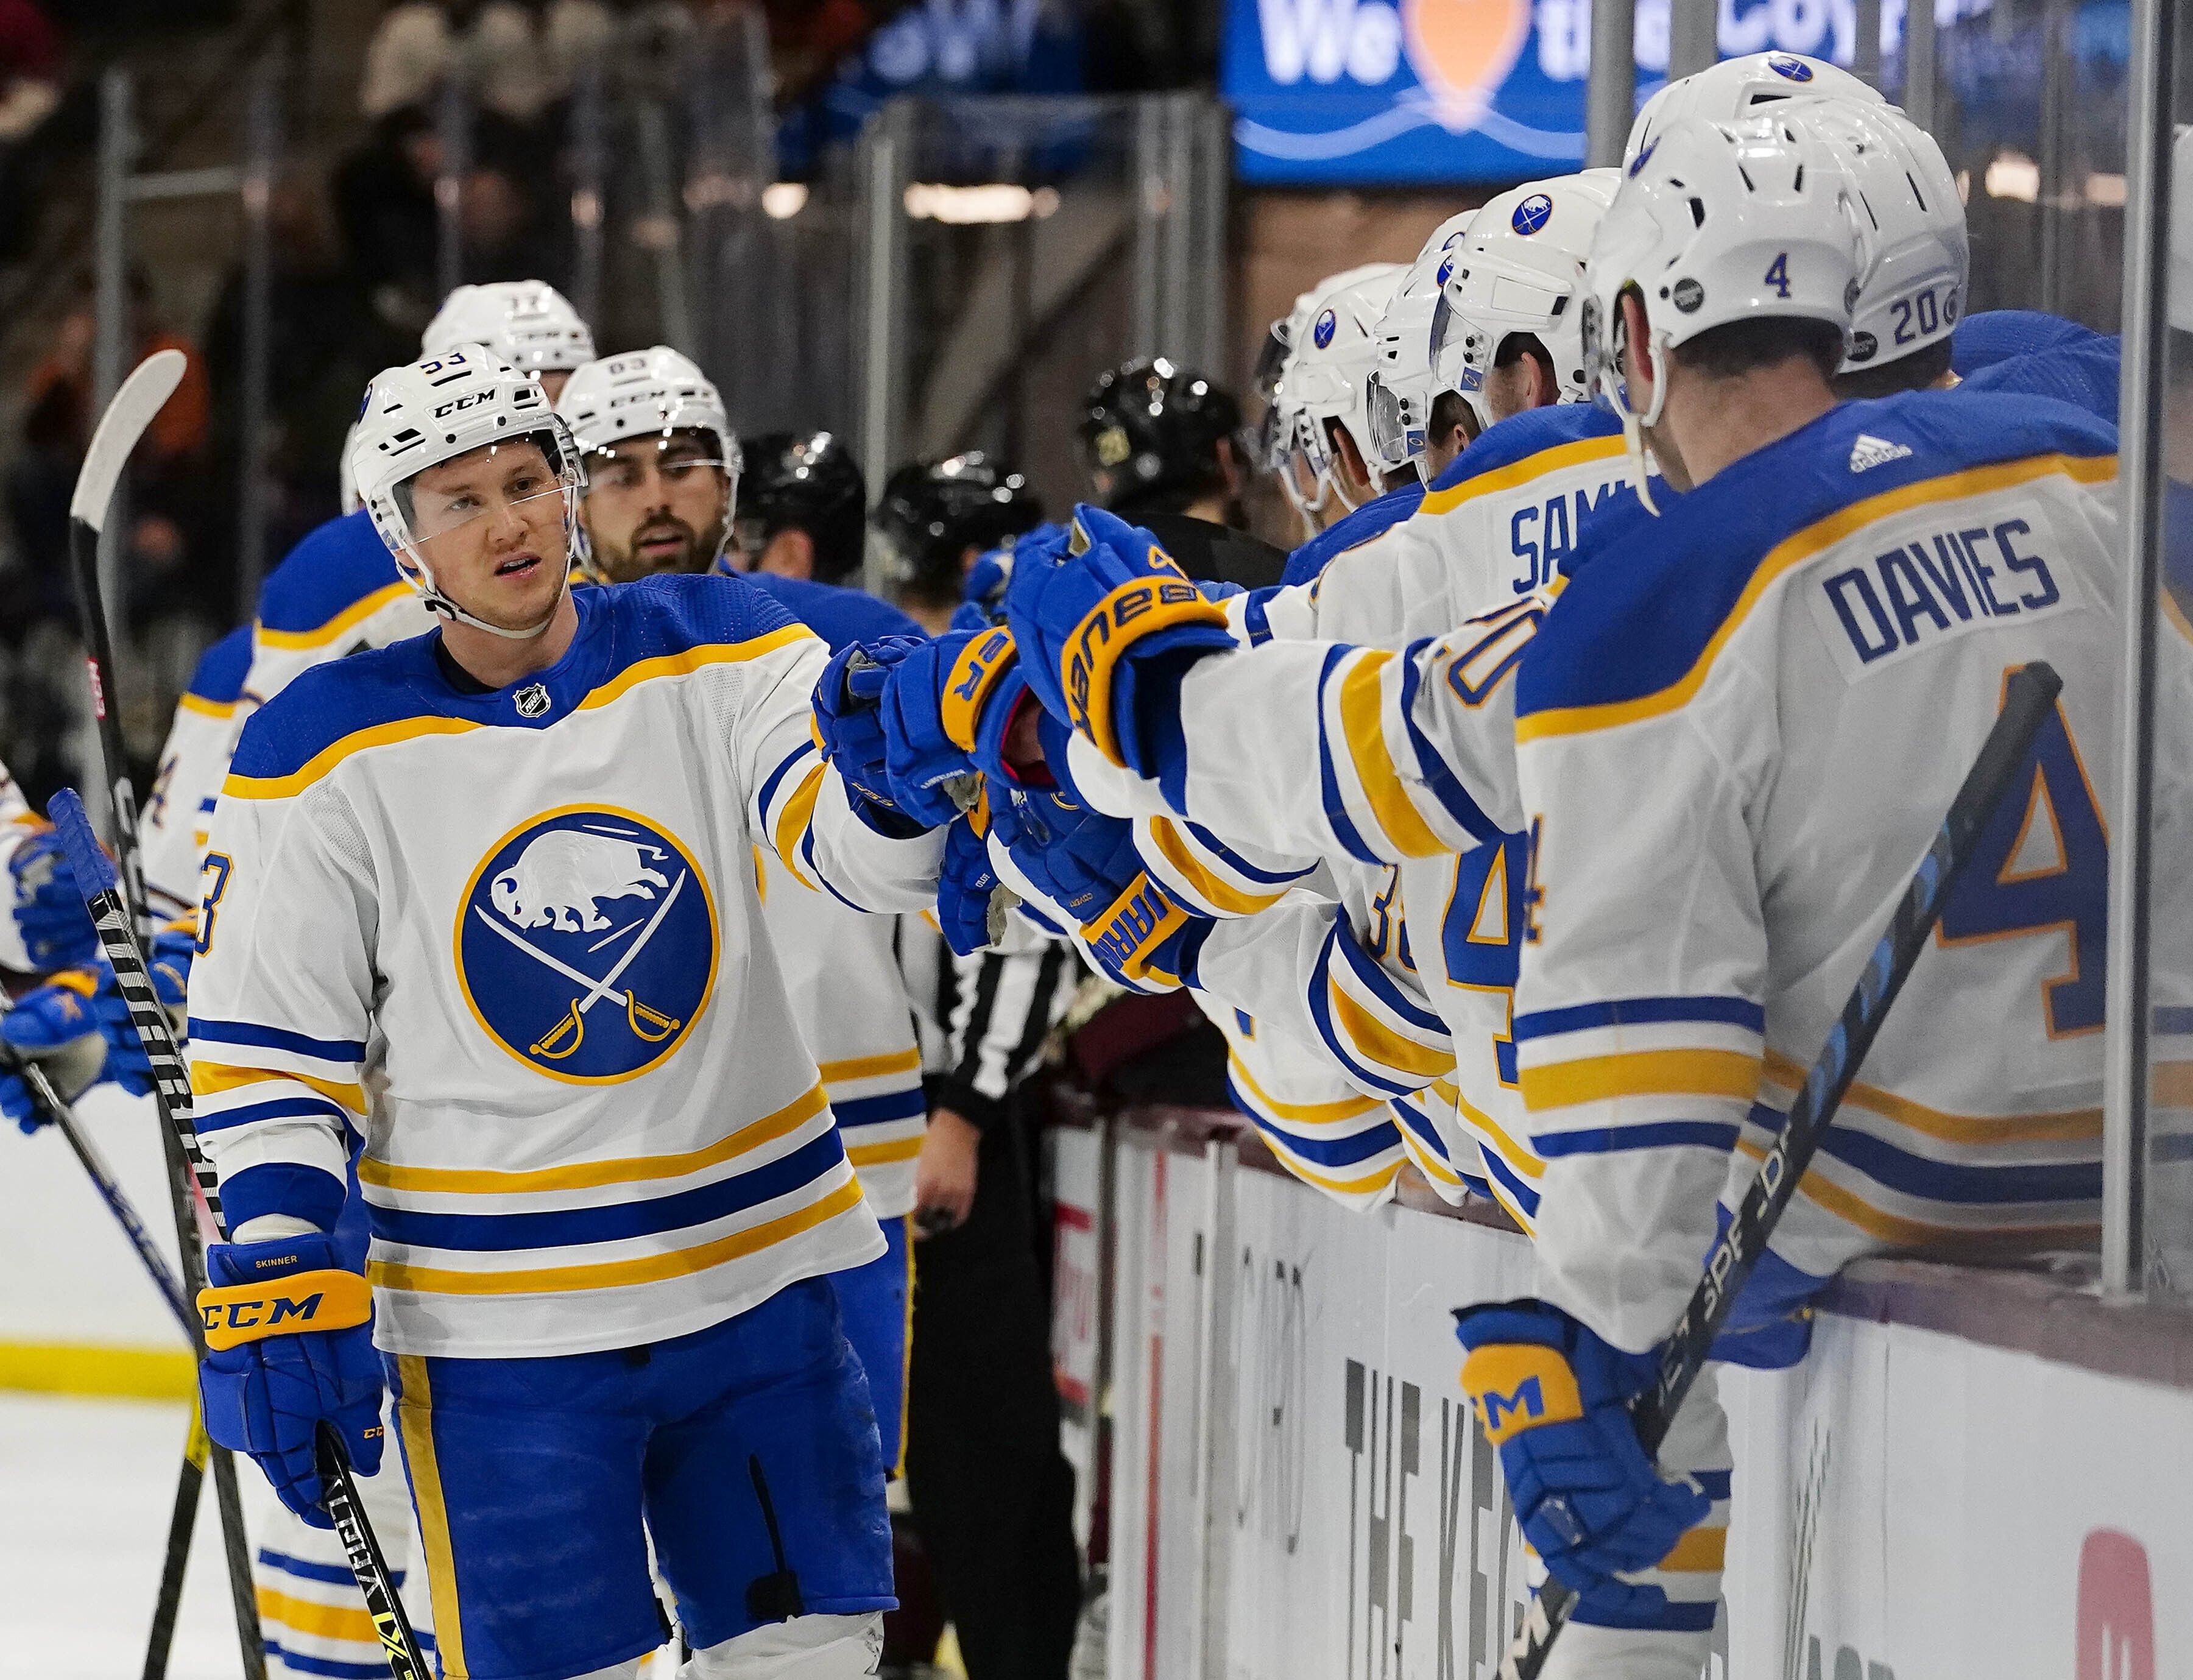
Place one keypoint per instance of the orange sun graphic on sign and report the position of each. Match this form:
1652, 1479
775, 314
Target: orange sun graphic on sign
1462, 49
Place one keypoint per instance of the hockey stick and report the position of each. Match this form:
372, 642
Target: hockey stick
142, 397
2028, 698
102, 896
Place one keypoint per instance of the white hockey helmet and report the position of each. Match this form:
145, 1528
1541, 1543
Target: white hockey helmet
1399, 390
1325, 380
528, 323
1269, 375
426, 412
1739, 88
1519, 269
1719, 222
652, 393
1911, 225
346, 484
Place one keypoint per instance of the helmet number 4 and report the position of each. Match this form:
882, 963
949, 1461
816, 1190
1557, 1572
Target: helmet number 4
1778, 274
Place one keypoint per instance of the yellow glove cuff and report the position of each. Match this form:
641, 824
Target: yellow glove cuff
1141, 607
1519, 1386
236, 1313
976, 674
1140, 919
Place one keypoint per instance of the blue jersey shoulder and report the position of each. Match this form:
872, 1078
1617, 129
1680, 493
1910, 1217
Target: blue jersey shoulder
1532, 432
1637, 618
333, 568
221, 668
1997, 335
1380, 513
839, 616
337, 699
2083, 373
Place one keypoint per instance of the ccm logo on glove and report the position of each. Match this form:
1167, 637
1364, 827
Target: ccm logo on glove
312, 1301
1519, 1387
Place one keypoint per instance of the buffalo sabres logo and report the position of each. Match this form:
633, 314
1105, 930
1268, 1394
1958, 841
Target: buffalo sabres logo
587, 944
1531, 214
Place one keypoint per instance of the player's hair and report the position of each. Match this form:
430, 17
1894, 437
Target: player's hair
1516, 345
1737, 347
1915, 372
1448, 409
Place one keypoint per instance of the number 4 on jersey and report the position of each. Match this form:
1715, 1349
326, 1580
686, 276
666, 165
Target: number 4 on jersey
2042, 866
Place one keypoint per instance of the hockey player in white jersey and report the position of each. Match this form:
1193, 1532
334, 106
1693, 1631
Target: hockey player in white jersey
663, 485
1323, 449
500, 877
528, 323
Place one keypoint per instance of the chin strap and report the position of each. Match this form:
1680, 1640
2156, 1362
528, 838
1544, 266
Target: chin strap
1633, 423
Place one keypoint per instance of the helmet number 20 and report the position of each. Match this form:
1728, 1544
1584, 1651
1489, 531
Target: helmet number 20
1778, 274
1921, 311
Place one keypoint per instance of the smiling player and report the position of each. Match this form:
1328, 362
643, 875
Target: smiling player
487, 897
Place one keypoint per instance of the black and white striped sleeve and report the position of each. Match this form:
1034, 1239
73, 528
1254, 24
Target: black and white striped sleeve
992, 1013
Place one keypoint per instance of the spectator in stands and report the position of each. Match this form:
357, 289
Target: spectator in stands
405, 61
326, 342
30, 89
168, 525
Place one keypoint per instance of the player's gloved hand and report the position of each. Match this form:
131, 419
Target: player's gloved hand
168, 962
1086, 864
848, 726
291, 1341
1107, 625
947, 710
1552, 1396
56, 1026
966, 884
56, 927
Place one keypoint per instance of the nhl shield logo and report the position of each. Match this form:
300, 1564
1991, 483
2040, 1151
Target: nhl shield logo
531, 701
587, 944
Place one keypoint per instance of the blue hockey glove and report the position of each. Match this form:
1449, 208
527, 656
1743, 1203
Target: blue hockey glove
290, 1336
1086, 864
965, 884
849, 725
1107, 625
50, 914
169, 965
1553, 1397
945, 714
56, 1025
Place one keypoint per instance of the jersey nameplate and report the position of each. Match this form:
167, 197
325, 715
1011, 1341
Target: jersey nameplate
1931, 580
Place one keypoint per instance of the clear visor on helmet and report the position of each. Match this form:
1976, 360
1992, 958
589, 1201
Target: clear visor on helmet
647, 469
1271, 438
1265, 379
520, 481
1392, 416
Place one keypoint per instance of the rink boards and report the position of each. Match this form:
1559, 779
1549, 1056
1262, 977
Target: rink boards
1296, 1488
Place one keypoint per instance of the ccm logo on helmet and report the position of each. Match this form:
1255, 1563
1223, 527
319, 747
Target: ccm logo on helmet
471, 399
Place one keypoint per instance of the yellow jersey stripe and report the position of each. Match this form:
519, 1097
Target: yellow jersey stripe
1700, 1550
1639, 1073
593, 1175
1213, 889
799, 812
1521, 472
1795, 550
323, 1621
1897, 1232
690, 659
2072, 1125
213, 1078
1523, 1159
1377, 1179
617, 1274
881, 1154
1362, 696
1427, 1163
381, 734
354, 614
206, 708
1381, 1043
871, 1067
1306, 1113
415, 1416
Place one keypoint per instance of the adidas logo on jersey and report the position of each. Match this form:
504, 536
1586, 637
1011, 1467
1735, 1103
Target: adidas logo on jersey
1871, 452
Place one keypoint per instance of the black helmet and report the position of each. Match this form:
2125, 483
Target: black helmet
934, 511
808, 482
1149, 435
